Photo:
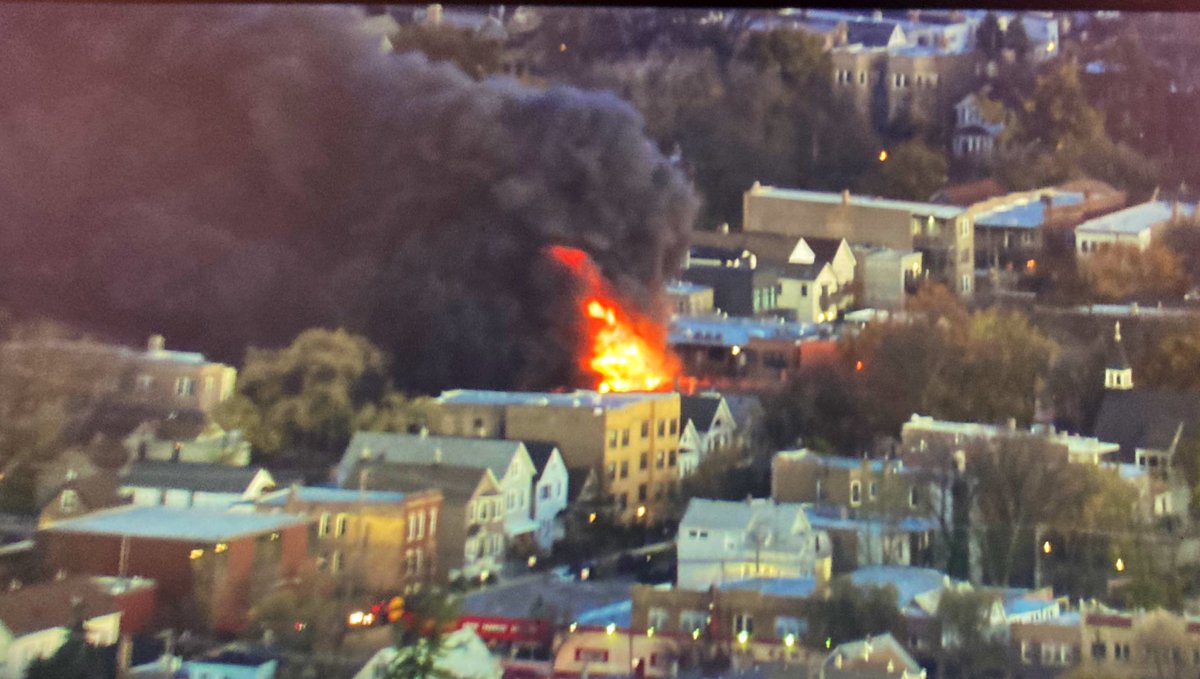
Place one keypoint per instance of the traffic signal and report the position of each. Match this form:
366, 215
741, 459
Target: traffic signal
395, 608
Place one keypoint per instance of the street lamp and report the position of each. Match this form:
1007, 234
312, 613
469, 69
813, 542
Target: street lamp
611, 629
1046, 548
1120, 565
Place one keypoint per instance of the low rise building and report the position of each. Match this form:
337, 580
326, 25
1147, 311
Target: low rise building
179, 484
888, 276
1137, 226
740, 286
720, 352
877, 657
689, 298
921, 434
721, 541
382, 542
210, 565
80, 496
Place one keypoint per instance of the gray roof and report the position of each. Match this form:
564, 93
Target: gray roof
321, 494
540, 453
574, 399
1146, 419
830, 198
418, 449
1133, 220
205, 478
174, 523
737, 516
699, 409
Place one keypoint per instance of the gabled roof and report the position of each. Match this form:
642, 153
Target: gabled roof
1145, 419
420, 450
824, 249
577, 478
205, 478
802, 272
540, 453
870, 33
94, 492
731, 515
879, 656
1133, 220
49, 605
700, 409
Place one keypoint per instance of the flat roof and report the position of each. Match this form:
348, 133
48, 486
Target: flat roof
573, 399
685, 288
723, 331
1133, 220
173, 523
333, 495
1027, 213
832, 198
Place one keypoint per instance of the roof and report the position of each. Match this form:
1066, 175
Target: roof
939, 211
1134, 220
94, 492
870, 33
540, 453
727, 332
1116, 358
699, 409
824, 249
685, 288
619, 613
206, 478
909, 581
321, 494
34, 608
969, 193
577, 478
173, 523
771, 247
418, 449
832, 461
801, 272
573, 399
732, 515
745, 408
871, 657
783, 587
457, 485
1027, 213
567, 597
830, 518
111, 350
1145, 419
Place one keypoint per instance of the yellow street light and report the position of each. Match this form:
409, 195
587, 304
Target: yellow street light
650, 632
356, 618
572, 627
641, 511
1046, 547
611, 629
696, 634
592, 517
743, 637
883, 155
1120, 565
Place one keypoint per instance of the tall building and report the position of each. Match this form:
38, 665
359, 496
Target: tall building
630, 439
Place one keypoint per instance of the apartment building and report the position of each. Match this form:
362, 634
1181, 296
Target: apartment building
631, 439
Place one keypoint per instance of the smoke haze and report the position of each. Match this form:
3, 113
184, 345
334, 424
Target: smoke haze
232, 175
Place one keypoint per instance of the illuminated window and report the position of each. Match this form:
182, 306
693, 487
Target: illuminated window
185, 386
323, 525
340, 526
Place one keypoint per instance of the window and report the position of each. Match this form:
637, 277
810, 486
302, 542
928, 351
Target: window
674, 427
612, 471
432, 522
1026, 652
341, 525
335, 562
545, 493
642, 493
692, 621
873, 490
659, 491
69, 501
420, 525
855, 493
660, 459
612, 438
323, 525
804, 291
912, 496
671, 458
185, 386
208, 385
589, 655
624, 438
662, 427
644, 461
743, 622
820, 489
862, 77
658, 618
1099, 650
622, 501
785, 625
624, 469
144, 382
646, 429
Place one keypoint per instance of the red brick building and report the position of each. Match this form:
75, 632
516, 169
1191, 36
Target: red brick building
210, 565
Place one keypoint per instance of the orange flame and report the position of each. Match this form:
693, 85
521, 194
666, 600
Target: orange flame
626, 351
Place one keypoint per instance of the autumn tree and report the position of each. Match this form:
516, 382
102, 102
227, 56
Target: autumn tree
969, 649
1173, 363
1123, 273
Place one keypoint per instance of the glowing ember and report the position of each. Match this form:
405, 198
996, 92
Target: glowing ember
625, 351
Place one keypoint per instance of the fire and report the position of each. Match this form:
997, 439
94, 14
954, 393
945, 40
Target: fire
625, 351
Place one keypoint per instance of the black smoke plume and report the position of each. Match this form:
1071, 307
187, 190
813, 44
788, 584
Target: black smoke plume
229, 176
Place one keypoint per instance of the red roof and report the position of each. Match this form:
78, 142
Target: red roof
969, 193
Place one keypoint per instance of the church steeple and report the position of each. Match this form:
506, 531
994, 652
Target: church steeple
1118, 374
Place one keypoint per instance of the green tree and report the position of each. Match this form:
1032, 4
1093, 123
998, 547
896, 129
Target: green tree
822, 407
430, 614
476, 56
969, 649
912, 171
849, 612
75, 659
306, 617
311, 395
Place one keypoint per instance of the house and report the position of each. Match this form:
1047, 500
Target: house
740, 286
155, 377
887, 276
859, 484
1141, 643
385, 542
190, 437
179, 484
921, 434
689, 298
740, 351
80, 496
721, 541
979, 121
944, 234
620, 435
879, 540
551, 486
487, 487
877, 657
710, 424
1011, 231
35, 620
210, 565
1136, 226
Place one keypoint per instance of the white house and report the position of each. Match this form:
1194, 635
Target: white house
722, 541
35, 621
181, 484
550, 488
978, 123
1137, 226
813, 280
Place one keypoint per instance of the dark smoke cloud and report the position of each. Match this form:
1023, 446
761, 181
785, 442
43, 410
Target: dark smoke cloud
233, 175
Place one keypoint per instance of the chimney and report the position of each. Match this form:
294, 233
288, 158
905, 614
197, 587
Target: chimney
845, 196
156, 343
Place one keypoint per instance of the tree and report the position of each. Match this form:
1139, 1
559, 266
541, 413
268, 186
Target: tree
912, 171
75, 659
850, 612
311, 395
1172, 364
1123, 273
1161, 636
429, 615
820, 408
307, 616
1182, 237
968, 649
1016, 39
988, 37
